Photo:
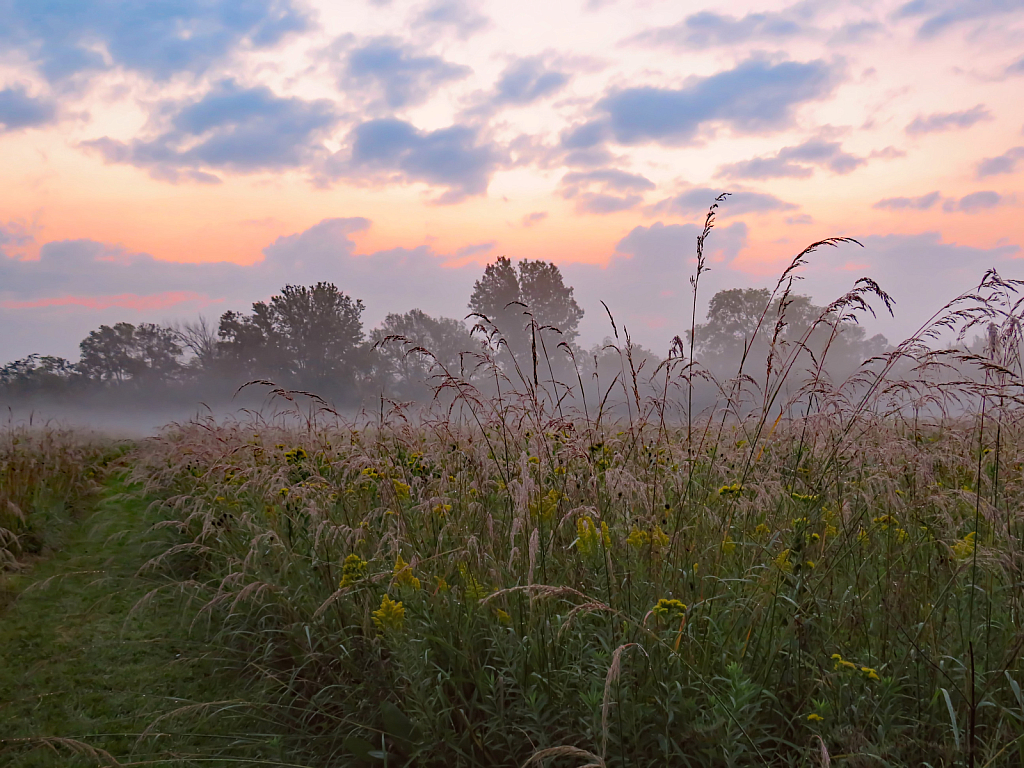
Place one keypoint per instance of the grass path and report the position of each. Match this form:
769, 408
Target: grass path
76, 663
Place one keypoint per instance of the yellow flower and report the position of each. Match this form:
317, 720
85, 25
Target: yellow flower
782, 561
402, 574
659, 539
442, 585
295, 455
546, 506
503, 617
638, 539
534, 460
730, 490
586, 536
352, 570
390, 615
963, 549
815, 718
442, 509
762, 531
869, 673
669, 609
401, 489
808, 497
728, 545
605, 536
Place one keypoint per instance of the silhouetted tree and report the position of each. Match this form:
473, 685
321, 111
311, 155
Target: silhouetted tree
125, 352
507, 295
309, 336
38, 374
732, 327
408, 370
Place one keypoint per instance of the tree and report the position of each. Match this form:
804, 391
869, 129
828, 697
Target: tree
509, 295
732, 327
408, 370
37, 374
311, 336
125, 352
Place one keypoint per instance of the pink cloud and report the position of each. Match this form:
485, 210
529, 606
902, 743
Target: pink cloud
124, 300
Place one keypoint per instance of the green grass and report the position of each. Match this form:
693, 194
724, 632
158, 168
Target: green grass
77, 663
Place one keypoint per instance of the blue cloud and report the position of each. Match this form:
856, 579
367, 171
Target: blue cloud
159, 39
707, 29
405, 77
526, 81
756, 96
230, 128
794, 162
1017, 68
606, 190
939, 15
945, 121
974, 202
451, 157
698, 200
1004, 163
458, 16
19, 110
922, 203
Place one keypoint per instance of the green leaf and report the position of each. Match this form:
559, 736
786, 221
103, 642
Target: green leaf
396, 723
362, 749
952, 717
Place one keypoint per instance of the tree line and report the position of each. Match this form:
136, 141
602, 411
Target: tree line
522, 316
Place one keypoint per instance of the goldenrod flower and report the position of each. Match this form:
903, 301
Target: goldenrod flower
403, 574
401, 489
659, 539
869, 673
352, 570
390, 615
503, 617
638, 539
783, 563
730, 490
815, 718
728, 545
667, 608
963, 549
586, 536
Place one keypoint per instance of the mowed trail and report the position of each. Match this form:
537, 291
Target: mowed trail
77, 663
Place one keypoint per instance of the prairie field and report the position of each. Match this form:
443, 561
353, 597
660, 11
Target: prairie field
799, 573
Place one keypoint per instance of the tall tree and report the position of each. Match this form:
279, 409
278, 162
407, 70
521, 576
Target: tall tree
509, 295
312, 336
125, 352
408, 370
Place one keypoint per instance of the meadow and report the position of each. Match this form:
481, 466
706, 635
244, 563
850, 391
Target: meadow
805, 572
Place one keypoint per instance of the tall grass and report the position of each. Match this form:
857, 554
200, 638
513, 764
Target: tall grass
809, 571
47, 475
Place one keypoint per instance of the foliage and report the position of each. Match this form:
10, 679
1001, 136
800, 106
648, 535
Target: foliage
125, 352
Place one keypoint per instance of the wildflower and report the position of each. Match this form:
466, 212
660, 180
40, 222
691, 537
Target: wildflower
808, 497
863, 537
884, 521
546, 506
809, 565
401, 489
782, 561
402, 574
696, 567
442, 509
831, 531
638, 539
390, 615
800, 522
606, 538
815, 718
762, 531
295, 455
283, 492
728, 545
814, 538
474, 589
370, 472
503, 617
586, 536
901, 536
659, 539
442, 585
869, 673
840, 663
963, 549
534, 460
560, 470
667, 608
730, 490
352, 570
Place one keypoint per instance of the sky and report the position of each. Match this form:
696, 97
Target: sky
163, 160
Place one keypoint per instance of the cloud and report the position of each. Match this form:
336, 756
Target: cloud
945, 121
13, 235
1017, 68
794, 162
403, 77
607, 190
922, 203
1004, 163
526, 81
645, 282
755, 97
449, 157
974, 202
698, 200
475, 248
536, 217
707, 29
158, 39
19, 110
460, 17
939, 15
230, 128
